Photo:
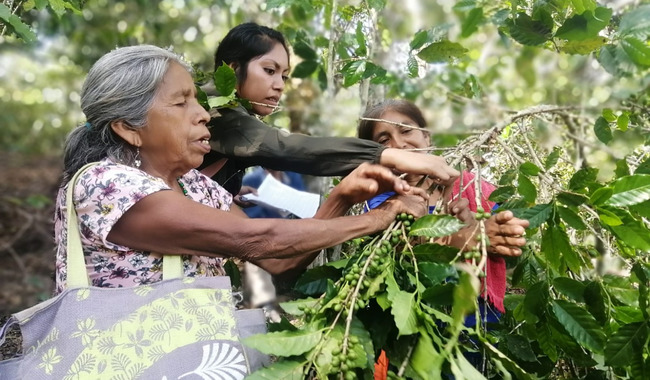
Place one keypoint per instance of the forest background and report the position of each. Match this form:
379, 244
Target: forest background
549, 98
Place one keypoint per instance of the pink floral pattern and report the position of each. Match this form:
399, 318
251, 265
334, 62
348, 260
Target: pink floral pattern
101, 196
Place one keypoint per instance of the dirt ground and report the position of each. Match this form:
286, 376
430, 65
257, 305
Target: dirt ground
27, 190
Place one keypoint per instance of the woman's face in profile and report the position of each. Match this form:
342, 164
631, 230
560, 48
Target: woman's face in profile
397, 136
265, 79
175, 137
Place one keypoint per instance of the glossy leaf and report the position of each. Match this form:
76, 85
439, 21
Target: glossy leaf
437, 273
435, 226
571, 288
353, 72
580, 325
413, 67
622, 168
625, 343
527, 31
443, 51
571, 218
505, 361
22, 30
637, 50
601, 195
402, 308
584, 26
582, 177
623, 122
472, 21
304, 69
293, 307
520, 348
525, 274
465, 295
304, 51
426, 361
595, 301
314, 281
552, 158
225, 80
434, 252
527, 189
284, 343
536, 301
602, 130
282, 370
630, 190
502, 194
536, 215
582, 5
529, 169
571, 199
636, 22
545, 341
583, 47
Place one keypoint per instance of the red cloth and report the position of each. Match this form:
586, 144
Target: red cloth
495, 270
381, 367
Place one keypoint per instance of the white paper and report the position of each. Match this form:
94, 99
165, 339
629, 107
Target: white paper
274, 193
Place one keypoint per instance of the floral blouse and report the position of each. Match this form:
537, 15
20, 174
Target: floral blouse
101, 196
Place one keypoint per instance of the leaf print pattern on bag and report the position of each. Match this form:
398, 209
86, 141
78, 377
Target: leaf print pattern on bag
101, 196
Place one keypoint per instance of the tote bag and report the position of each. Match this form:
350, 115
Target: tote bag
178, 328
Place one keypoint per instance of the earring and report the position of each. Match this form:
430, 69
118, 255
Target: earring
136, 161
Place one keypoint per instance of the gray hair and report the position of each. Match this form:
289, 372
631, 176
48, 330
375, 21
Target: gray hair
121, 86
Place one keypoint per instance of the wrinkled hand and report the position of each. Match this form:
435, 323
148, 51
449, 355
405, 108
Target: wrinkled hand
417, 163
243, 191
368, 180
506, 234
415, 205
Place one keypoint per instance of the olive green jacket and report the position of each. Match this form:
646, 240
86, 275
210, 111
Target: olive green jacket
247, 141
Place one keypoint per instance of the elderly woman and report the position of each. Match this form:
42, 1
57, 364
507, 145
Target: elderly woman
145, 199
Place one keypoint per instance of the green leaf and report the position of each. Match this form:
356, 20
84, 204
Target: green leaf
511, 366
443, 51
58, 6
582, 178
608, 217
623, 122
304, 51
527, 31
545, 340
630, 190
584, 26
628, 314
637, 50
219, 101
571, 199
622, 168
571, 218
525, 274
280, 370
600, 196
353, 72
556, 245
608, 114
536, 215
284, 343
470, 24
582, 5
520, 348
419, 39
625, 343
440, 295
603, 130
552, 158
631, 232
622, 289
465, 295
413, 67
502, 194
402, 308
636, 22
434, 226
569, 287
225, 80
595, 301
314, 281
361, 49
580, 325
583, 47
527, 189
426, 361
434, 252
464, 5
304, 69
22, 30
232, 271
529, 169
643, 168
293, 307
508, 177
437, 273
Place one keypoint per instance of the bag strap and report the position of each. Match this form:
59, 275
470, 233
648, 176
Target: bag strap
75, 261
